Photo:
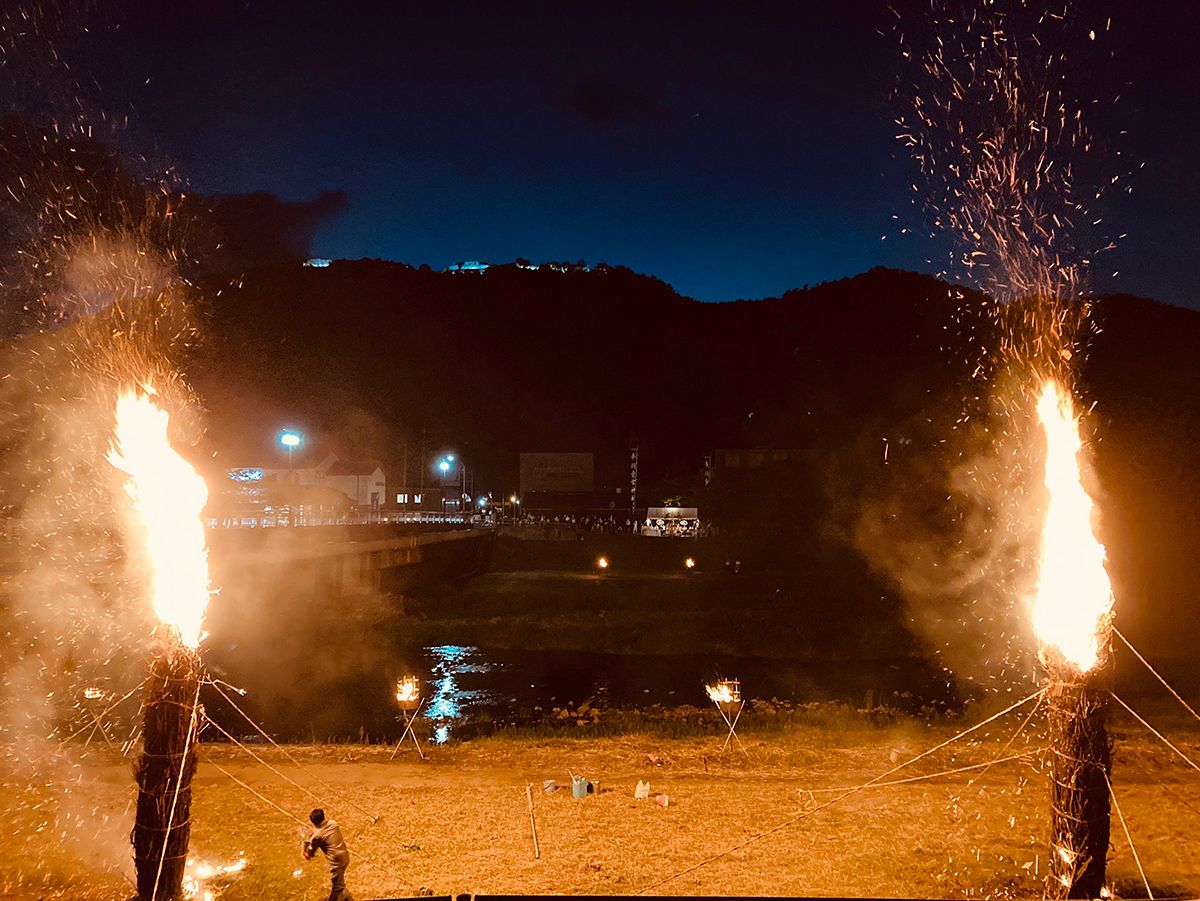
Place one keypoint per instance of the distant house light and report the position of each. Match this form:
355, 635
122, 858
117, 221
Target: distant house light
318, 263
401, 498
468, 266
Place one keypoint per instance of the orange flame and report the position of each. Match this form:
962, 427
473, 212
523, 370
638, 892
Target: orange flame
407, 689
1074, 597
198, 875
724, 692
168, 497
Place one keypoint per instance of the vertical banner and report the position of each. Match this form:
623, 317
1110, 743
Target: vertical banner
633, 473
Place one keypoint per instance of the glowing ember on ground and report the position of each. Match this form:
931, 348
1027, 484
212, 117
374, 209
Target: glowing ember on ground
408, 690
168, 496
200, 873
726, 691
93, 694
1074, 596
602, 563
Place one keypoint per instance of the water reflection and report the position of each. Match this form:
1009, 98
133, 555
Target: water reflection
471, 688
450, 700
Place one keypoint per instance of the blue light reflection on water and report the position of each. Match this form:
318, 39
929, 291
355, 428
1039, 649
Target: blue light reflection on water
449, 700
470, 689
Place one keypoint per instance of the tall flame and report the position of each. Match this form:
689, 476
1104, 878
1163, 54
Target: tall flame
1074, 596
168, 496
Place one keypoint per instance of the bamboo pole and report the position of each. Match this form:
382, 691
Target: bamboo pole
537, 853
164, 771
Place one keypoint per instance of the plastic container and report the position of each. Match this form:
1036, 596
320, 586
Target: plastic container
579, 787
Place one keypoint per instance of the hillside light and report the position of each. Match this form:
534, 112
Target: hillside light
690, 562
602, 563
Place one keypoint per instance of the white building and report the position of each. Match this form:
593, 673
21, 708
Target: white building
363, 485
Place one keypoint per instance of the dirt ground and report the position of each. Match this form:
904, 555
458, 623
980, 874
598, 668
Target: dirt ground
459, 821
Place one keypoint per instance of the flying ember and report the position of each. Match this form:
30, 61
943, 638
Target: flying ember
1074, 596
168, 496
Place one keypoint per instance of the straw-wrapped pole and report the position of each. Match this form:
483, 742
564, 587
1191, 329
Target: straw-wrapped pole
164, 773
1080, 765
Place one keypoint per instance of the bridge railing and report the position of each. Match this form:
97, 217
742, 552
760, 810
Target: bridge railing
281, 519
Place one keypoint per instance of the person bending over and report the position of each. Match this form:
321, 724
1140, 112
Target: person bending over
327, 838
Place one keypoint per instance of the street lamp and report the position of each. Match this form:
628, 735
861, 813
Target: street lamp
291, 440
446, 463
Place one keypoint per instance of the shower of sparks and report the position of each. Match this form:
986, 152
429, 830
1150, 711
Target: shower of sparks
1010, 171
168, 496
1003, 147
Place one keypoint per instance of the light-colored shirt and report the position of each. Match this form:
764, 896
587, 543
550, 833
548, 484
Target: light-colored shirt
328, 838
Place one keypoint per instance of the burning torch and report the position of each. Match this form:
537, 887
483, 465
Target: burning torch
1073, 621
168, 496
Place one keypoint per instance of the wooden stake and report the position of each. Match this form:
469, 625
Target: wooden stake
409, 720
537, 854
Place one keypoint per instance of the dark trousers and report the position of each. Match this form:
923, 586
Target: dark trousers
337, 879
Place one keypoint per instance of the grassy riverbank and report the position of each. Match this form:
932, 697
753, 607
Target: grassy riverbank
459, 822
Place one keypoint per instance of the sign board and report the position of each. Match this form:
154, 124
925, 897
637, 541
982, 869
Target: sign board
670, 513
566, 473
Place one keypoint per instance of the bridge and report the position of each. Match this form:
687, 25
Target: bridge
349, 560
335, 561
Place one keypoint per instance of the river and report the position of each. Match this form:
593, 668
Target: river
467, 690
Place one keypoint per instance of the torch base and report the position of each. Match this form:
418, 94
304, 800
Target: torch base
164, 773
1081, 761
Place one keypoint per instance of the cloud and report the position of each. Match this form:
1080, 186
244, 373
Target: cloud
604, 103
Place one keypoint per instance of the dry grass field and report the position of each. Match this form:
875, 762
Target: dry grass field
459, 822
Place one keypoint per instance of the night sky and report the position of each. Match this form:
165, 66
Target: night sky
733, 150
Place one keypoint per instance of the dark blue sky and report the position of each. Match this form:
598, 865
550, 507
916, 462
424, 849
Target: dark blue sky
733, 150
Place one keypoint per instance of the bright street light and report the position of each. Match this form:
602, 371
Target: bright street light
291, 440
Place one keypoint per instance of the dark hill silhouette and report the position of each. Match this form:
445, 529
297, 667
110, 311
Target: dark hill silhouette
382, 357
513, 359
